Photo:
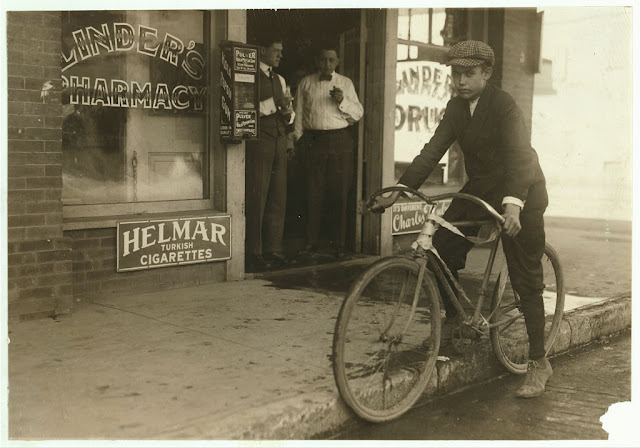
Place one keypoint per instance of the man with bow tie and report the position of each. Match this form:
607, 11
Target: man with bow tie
266, 163
503, 170
326, 105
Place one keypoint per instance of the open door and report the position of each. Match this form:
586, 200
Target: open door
301, 30
352, 65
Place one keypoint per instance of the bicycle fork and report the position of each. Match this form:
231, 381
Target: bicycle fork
416, 295
422, 262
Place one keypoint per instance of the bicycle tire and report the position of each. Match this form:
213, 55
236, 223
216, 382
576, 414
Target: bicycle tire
377, 334
510, 341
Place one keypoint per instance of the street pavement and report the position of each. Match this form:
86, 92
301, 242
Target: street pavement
249, 359
585, 382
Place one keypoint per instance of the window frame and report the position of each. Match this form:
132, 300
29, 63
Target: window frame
429, 33
77, 216
433, 51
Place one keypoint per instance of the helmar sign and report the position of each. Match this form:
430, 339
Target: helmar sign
171, 242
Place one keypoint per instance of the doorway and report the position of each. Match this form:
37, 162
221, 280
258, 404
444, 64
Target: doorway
300, 30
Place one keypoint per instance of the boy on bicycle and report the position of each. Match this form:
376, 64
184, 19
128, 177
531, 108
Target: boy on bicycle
503, 170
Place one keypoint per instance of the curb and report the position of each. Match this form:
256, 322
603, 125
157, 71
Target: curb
320, 414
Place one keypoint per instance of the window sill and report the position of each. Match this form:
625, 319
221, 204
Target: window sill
106, 222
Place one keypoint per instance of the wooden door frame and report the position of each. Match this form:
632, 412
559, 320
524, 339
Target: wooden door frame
379, 122
229, 173
361, 92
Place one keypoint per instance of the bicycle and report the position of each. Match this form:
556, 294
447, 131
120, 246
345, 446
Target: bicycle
387, 333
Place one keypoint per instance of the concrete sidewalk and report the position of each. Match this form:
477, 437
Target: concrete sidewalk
244, 360
232, 361
223, 361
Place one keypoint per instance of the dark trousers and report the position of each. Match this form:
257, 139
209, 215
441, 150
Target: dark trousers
266, 193
329, 165
524, 260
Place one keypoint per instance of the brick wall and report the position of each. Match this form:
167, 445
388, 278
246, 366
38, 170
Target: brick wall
39, 272
49, 269
517, 73
94, 269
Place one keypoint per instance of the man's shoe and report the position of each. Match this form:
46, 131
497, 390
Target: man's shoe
257, 263
308, 251
538, 372
277, 259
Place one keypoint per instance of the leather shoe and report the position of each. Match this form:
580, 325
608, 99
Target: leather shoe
257, 262
308, 251
276, 258
538, 372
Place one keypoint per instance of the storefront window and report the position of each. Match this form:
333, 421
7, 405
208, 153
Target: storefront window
135, 106
423, 88
438, 19
423, 25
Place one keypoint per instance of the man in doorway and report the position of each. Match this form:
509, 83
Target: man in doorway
326, 104
266, 163
503, 170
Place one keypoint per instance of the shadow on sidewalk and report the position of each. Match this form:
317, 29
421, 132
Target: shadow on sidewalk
339, 277
336, 278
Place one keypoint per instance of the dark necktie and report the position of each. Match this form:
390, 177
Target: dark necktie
277, 87
325, 77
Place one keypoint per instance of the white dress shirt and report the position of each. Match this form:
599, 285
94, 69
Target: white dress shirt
268, 106
472, 105
316, 110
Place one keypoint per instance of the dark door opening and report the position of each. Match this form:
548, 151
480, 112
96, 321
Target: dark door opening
301, 29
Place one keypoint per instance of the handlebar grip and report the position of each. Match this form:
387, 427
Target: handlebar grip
370, 203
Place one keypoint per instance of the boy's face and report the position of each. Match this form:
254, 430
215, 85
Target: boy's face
470, 81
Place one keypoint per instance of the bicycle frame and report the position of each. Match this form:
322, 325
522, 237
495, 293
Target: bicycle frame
477, 321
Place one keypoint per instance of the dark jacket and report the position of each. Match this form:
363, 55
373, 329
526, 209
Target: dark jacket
271, 125
498, 156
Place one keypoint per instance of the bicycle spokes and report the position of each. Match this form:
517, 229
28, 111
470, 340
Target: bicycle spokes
509, 334
388, 340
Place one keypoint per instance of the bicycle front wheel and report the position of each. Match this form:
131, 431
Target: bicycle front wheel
386, 339
509, 340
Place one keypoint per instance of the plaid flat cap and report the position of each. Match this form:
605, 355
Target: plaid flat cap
469, 53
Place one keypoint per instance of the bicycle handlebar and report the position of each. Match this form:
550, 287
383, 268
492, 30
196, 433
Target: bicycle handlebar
433, 199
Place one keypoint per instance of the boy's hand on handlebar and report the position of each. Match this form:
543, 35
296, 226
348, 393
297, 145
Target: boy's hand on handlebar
380, 203
511, 217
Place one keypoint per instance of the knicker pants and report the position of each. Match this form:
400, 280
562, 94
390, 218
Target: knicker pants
524, 260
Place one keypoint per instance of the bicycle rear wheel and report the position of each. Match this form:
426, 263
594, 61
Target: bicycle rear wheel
386, 339
509, 340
